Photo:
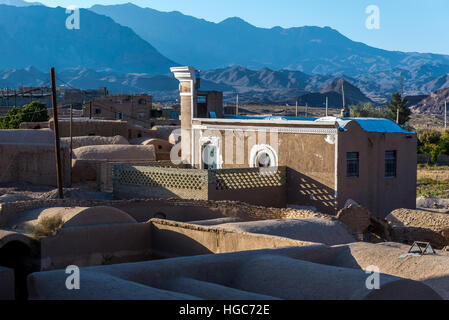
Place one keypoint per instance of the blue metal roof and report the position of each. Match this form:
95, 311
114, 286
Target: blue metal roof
373, 125
367, 124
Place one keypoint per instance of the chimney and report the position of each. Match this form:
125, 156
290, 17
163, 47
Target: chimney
187, 77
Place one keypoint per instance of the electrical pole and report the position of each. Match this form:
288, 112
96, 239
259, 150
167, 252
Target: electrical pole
402, 84
445, 115
90, 110
71, 132
237, 105
327, 106
56, 134
296, 108
397, 116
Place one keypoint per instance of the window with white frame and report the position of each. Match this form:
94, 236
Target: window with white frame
263, 156
210, 158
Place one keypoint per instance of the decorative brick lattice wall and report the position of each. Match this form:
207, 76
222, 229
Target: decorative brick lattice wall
151, 181
249, 185
236, 179
105, 172
162, 177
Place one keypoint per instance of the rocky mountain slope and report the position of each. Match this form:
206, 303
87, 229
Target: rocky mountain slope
37, 36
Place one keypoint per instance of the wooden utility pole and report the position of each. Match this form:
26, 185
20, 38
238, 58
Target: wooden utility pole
344, 112
56, 134
237, 105
71, 132
327, 106
445, 114
90, 110
397, 116
296, 108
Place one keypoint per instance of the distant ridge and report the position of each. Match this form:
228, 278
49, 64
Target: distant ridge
100, 43
431, 104
20, 3
313, 50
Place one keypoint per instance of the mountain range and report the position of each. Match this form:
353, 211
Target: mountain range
130, 49
20, 3
209, 45
37, 36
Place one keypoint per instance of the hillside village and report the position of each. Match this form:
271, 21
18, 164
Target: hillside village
155, 180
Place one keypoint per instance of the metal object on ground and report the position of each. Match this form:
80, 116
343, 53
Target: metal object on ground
421, 248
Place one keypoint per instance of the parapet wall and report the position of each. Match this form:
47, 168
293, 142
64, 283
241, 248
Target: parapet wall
247, 185
33, 163
96, 245
176, 239
173, 209
105, 171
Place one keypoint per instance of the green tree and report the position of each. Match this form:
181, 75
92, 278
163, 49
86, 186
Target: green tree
33, 112
397, 103
367, 110
429, 137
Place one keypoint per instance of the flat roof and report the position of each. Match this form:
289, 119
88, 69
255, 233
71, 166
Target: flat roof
368, 124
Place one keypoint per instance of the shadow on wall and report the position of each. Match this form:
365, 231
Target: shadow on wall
169, 244
18, 256
305, 191
245, 185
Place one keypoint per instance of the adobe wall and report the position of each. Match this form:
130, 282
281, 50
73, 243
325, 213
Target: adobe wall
33, 163
246, 185
309, 158
78, 142
96, 245
24, 136
135, 108
176, 239
164, 132
105, 170
264, 196
371, 189
86, 127
135, 132
179, 210
87, 159
34, 125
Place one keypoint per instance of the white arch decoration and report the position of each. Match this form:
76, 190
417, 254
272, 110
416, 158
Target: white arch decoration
259, 149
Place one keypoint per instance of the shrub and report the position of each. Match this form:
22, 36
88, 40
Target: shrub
367, 110
429, 137
45, 227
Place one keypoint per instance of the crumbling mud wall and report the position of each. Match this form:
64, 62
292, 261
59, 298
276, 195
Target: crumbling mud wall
33, 163
172, 209
86, 159
78, 142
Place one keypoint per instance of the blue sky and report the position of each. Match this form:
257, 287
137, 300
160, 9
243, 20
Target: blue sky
405, 25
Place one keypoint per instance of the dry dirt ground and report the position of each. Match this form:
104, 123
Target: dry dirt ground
13, 192
422, 122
